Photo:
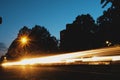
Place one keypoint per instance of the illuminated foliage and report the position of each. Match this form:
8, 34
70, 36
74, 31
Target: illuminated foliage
32, 42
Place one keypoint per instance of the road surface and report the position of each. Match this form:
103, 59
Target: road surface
76, 72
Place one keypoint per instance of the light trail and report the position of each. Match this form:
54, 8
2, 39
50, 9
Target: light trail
83, 56
103, 58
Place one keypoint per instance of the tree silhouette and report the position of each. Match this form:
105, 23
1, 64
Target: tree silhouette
109, 23
79, 35
115, 3
24, 31
40, 41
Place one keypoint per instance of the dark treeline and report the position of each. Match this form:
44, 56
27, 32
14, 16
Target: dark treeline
79, 35
83, 34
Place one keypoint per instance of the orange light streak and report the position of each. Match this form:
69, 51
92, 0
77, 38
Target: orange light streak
70, 57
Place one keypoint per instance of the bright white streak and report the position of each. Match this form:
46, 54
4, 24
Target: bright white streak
68, 57
102, 58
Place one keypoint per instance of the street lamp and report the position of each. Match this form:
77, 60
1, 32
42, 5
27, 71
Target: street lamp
24, 42
108, 43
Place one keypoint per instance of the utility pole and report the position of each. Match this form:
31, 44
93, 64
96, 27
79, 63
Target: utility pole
0, 20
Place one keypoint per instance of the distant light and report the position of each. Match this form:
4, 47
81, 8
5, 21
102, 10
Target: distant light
107, 42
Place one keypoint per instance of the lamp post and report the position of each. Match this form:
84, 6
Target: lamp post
0, 20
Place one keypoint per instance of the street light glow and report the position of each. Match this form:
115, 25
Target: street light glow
24, 40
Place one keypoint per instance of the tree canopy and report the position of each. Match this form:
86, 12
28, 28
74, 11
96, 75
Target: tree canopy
40, 41
109, 24
78, 34
115, 3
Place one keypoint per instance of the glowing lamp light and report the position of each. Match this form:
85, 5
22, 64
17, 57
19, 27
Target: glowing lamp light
24, 40
107, 42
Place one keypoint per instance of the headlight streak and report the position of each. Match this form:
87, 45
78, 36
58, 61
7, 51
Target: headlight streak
83, 56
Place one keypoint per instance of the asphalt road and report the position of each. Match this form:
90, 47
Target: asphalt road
76, 72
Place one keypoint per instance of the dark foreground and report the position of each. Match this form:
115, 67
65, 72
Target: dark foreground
76, 72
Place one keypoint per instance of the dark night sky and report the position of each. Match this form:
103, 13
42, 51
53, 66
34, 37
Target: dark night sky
52, 14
